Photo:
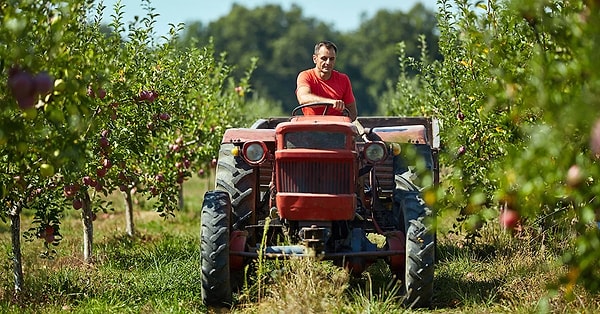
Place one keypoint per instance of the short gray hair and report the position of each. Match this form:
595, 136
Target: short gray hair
328, 44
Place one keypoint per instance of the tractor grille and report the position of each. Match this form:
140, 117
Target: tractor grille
319, 177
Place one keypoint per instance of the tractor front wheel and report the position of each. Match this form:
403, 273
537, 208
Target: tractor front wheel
419, 265
420, 251
214, 235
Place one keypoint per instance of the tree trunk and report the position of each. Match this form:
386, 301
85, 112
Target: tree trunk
181, 197
129, 225
87, 216
15, 229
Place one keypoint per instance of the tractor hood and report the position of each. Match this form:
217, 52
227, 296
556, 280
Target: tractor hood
321, 123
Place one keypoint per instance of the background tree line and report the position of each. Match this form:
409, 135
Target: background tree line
283, 40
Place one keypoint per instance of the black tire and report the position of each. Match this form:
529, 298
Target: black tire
420, 251
214, 235
239, 180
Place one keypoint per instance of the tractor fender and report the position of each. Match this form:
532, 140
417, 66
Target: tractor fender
411, 134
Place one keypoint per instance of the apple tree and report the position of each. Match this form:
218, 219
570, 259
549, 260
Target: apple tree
516, 92
168, 107
85, 113
43, 114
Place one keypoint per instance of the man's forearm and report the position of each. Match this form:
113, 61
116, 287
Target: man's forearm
311, 98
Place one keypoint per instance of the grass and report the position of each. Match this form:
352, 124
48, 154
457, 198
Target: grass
158, 272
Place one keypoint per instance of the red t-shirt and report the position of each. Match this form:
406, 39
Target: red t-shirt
336, 87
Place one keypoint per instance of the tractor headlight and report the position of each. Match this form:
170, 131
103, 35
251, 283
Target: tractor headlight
375, 152
254, 152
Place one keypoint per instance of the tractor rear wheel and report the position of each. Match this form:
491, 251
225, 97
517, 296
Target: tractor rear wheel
214, 235
239, 180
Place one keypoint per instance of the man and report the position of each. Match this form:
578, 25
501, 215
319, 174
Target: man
323, 84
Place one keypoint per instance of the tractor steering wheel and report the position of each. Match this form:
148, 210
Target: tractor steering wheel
345, 111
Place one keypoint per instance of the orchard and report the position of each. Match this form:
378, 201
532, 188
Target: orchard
517, 95
87, 111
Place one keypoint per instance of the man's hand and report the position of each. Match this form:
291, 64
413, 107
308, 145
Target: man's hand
338, 105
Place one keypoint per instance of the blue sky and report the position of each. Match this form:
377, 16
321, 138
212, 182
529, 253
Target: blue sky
345, 15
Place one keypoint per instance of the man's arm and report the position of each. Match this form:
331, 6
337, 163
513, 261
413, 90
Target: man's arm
352, 109
305, 96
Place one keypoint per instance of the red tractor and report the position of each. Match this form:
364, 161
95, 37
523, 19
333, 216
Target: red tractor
323, 183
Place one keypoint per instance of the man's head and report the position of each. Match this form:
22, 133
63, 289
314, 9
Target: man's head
324, 57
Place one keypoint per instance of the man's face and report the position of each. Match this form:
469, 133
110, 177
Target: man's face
325, 59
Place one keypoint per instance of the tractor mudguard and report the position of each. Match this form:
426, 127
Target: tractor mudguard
412, 134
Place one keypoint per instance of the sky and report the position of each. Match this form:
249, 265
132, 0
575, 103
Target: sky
344, 15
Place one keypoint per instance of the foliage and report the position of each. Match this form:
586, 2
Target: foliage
87, 110
371, 50
514, 93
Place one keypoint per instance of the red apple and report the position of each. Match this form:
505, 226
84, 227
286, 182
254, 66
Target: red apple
71, 190
101, 92
49, 238
43, 83
21, 84
106, 163
509, 218
201, 172
148, 95
574, 176
86, 180
101, 172
49, 230
77, 204
461, 150
153, 95
13, 70
104, 142
26, 102
164, 116
460, 116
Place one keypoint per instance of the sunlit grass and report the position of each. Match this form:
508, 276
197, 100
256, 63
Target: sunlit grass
157, 271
